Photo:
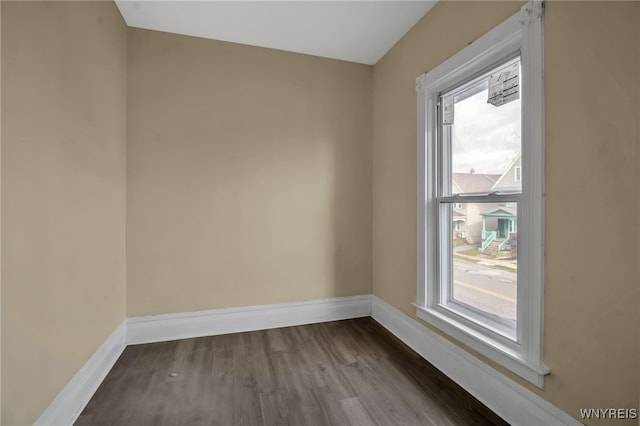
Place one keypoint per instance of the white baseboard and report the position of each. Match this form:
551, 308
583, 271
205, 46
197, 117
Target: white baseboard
158, 328
511, 401
65, 409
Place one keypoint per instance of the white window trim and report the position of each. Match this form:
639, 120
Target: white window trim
520, 33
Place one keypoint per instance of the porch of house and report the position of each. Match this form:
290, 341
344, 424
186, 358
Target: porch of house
499, 230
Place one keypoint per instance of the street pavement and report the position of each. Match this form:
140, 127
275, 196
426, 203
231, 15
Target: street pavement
485, 287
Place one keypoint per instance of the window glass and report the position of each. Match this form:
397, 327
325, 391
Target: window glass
484, 277
484, 135
480, 134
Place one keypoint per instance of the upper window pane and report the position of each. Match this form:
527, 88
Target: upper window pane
481, 128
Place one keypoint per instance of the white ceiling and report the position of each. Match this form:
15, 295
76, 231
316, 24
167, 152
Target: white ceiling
357, 31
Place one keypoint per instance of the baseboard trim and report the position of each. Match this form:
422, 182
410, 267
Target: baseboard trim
158, 328
511, 401
67, 406
508, 399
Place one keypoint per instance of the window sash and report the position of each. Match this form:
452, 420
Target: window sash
477, 318
443, 178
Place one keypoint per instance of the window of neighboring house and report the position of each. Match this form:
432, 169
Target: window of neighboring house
478, 110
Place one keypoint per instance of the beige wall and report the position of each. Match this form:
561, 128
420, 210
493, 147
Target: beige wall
63, 194
591, 278
249, 175
0, 217
591, 295
252, 178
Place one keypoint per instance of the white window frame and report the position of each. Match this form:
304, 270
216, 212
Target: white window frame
517, 171
521, 34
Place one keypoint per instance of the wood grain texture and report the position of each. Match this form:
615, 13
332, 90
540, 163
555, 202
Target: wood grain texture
349, 372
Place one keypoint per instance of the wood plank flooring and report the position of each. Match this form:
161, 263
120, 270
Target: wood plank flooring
350, 372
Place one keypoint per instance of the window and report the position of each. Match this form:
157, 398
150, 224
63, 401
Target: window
480, 145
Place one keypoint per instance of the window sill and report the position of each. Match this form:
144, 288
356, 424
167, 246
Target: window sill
503, 355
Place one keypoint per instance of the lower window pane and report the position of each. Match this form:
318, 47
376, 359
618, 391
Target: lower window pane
484, 269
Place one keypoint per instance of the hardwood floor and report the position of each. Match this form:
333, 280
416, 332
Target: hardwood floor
350, 372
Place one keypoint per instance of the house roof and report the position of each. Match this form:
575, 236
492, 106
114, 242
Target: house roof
459, 216
503, 212
469, 183
511, 165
